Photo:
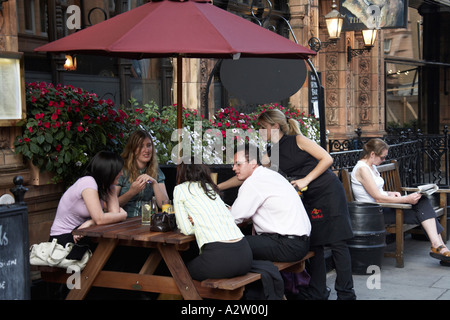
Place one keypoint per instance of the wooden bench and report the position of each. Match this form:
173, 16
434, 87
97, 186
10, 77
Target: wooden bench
241, 281
226, 289
390, 173
236, 285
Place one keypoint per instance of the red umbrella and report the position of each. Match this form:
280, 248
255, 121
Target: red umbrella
192, 28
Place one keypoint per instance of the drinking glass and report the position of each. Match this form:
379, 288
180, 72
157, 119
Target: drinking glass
146, 212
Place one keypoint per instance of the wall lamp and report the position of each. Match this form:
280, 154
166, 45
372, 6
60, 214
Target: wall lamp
369, 37
71, 63
334, 20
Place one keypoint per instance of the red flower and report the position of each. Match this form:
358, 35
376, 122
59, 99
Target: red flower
58, 148
47, 125
54, 116
26, 139
80, 128
30, 129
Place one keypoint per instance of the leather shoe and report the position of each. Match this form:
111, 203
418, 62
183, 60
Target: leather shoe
435, 253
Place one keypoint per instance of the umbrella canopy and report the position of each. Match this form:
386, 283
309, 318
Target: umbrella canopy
192, 28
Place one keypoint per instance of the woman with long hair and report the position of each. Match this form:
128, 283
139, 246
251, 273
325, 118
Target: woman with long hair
142, 178
199, 210
91, 200
307, 166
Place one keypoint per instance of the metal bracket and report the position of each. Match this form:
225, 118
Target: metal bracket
351, 53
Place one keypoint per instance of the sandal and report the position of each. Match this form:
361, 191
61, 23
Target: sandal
435, 253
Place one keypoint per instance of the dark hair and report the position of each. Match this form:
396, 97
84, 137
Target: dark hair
250, 154
104, 168
190, 171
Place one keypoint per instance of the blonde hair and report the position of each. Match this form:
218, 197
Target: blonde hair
129, 155
375, 145
287, 125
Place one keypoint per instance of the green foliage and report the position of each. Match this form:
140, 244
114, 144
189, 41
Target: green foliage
161, 123
66, 126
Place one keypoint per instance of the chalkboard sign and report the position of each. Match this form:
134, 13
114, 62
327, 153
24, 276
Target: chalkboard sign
14, 253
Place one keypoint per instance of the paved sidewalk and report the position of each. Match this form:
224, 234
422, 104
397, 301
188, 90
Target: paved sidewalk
422, 278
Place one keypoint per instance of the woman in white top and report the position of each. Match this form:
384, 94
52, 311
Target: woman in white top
367, 186
199, 210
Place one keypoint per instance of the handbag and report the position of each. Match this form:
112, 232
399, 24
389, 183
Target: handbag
293, 280
54, 255
163, 222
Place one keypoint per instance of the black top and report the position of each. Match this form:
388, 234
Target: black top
325, 199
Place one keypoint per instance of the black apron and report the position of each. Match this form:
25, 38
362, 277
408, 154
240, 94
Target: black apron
325, 200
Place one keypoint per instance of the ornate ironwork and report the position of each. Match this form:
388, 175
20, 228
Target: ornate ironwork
422, 158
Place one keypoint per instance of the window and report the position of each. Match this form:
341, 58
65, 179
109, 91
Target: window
387, 45
402, 54
43, 17
402, 95
29, 16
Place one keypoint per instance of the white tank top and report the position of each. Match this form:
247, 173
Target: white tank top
359, 192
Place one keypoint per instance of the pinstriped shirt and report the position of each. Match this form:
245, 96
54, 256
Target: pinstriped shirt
212, 219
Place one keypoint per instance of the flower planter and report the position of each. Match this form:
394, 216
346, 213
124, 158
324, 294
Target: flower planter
39, 178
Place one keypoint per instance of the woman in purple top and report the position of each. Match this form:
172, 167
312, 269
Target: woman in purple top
91, 200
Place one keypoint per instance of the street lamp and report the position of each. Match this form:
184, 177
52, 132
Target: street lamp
369, 37
334, 20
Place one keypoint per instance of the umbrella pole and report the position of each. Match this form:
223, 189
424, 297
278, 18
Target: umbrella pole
179, 92
179, 103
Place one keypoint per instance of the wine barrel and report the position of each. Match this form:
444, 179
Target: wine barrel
367, 245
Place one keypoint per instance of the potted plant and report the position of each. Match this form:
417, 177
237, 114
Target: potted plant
66, 126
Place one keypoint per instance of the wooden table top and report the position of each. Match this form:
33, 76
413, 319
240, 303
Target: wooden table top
132, 229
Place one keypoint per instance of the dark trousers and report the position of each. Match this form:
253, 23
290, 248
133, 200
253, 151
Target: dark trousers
221, 260
317, 289
275, 247
421, 211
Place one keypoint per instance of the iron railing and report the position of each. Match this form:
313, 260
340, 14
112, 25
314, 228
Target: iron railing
422, 158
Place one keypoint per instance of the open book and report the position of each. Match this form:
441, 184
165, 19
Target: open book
428, 189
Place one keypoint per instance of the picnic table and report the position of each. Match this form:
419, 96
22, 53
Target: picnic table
131, 233
166, 248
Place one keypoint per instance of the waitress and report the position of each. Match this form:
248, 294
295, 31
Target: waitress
306, 164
